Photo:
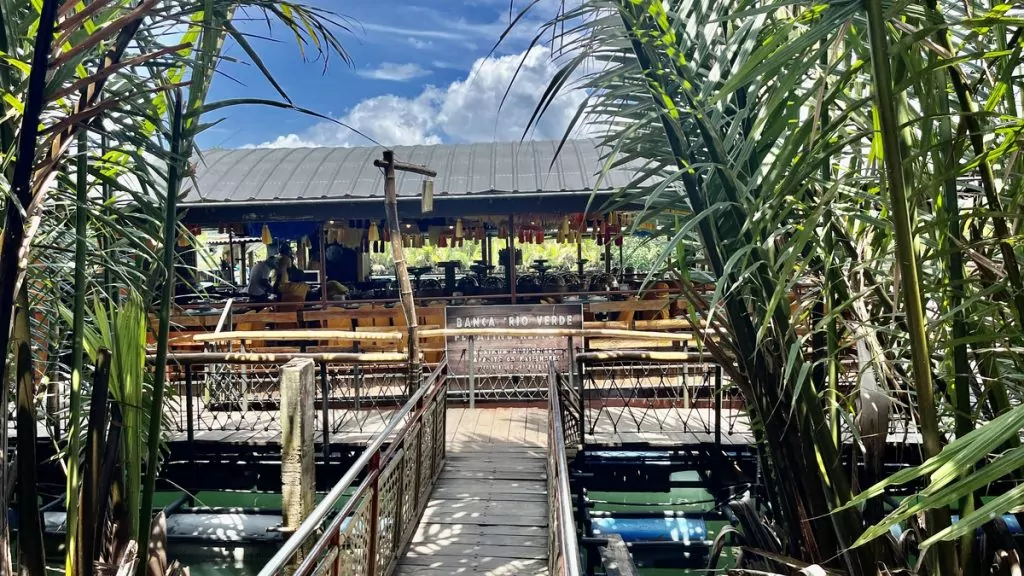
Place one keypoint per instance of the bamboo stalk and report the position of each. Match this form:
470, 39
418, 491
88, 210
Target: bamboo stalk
262, 358
21, 180
401, 269
174, 174
30, 529
74, 556
311, 334
945, 563
951, 244
567, 332
89, 520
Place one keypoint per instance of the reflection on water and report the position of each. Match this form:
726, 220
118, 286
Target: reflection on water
237, 561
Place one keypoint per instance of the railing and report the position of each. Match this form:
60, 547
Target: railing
366, 537
563, 548
630, 397
236, 392
475, 382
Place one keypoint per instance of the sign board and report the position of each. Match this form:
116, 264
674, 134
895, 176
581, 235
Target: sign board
503, 355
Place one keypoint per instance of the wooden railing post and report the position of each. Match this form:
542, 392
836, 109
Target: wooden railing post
297, 449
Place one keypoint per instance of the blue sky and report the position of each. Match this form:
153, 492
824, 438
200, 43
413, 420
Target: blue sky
421, 74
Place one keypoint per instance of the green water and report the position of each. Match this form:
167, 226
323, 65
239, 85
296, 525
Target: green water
237, 560
676, 499
248, 560
240, 561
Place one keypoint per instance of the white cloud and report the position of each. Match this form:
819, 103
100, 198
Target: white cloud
465, 111
420, 44
390, 120
395, 72
400, 31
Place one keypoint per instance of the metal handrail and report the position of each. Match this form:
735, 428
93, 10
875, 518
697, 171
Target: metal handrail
312, 523
566, 535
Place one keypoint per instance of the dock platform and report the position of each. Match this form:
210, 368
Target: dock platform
488, 513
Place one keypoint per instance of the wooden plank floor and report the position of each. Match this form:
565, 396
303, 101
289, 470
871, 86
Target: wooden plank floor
488, 513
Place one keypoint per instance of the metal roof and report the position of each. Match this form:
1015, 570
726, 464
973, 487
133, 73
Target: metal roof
287, 174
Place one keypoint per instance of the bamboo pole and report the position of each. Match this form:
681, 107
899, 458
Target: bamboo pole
174, 176
401, 269
74, 558
268, 358
944, 563
311, 334
566, 332
319, 334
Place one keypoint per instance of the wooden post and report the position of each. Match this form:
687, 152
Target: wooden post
323, 264
510, 245
297, 450
401, 269
231, 254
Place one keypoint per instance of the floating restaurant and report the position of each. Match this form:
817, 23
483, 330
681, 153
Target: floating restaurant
503, 416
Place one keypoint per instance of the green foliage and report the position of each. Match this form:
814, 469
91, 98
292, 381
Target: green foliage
98, 92
641, 253
761, 122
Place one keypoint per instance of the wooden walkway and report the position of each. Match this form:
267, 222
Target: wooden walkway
488, 513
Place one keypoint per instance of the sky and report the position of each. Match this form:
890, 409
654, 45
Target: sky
422, 72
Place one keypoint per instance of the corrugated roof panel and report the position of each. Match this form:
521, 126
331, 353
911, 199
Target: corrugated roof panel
480, 167
279, 170
462, 169
211, 168
245, 178
303, 180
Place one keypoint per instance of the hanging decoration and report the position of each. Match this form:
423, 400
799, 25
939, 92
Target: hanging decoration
265, 236
374, 234
442, 241
183, 241
480, 233
427, 201
503, 232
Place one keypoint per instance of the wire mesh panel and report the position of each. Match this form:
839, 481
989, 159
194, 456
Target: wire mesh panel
500, 388
426, 453
657, 398
389, 513
354, 541
410, 482
362, 393
236, 394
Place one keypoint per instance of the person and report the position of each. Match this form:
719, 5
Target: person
285, 272
336, 290
259, 279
